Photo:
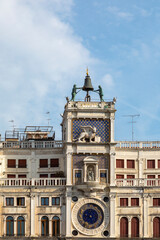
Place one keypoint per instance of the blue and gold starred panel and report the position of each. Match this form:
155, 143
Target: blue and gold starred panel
102, 128
90, 216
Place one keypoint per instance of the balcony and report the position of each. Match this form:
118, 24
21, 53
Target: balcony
31, 144
138, 145
138, 182
35, 182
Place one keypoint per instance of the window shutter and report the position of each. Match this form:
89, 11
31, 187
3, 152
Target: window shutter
54, 162
120, 163
130, 164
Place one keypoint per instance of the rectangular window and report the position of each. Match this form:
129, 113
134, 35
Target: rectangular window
44, 201
54, 162
22, 163
22, 176
43, 163
134, 201
150, 163
150, 176
11, 176
119, 176
20, 201
43, 175
158, 163
78, 176
11, 163
123, 202
130, 164
55, 201
103, 176
120, 163
130, 176
10, 201
156, 202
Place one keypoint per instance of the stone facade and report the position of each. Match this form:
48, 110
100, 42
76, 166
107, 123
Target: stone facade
91, 187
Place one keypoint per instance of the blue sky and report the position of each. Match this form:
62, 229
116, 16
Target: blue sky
45, 47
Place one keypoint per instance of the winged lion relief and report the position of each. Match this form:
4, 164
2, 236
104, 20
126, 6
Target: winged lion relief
88, 134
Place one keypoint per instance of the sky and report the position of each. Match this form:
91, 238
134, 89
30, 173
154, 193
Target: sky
46, 46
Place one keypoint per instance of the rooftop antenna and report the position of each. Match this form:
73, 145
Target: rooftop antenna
48, 113
132, 116
12, 121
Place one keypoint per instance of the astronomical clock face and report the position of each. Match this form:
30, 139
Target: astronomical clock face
90, 216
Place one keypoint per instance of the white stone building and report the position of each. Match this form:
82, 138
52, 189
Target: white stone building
85, 186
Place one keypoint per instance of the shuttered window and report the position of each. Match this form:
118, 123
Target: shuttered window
54, 162
134, 201
22, 163
123, 202
120, 163
130, 164
119, 176
11, 175
130, 176
156, 202
43, 175
11, 163
43, 163
150, 163
150, 176
22, 176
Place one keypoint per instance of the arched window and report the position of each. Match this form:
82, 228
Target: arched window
44, 226
20, 226
55, 226
9, 226
124, 227
135, 227
156, 227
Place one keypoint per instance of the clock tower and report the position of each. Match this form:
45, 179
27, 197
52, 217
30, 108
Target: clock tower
88, 137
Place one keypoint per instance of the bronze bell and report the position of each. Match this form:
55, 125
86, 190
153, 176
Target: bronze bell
87, 84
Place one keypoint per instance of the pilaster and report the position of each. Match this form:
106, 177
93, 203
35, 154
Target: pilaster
32, 199
145, 215
112, 168
68, 211
112, 214
69, 168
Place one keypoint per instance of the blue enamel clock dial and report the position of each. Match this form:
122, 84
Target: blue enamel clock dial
90, 216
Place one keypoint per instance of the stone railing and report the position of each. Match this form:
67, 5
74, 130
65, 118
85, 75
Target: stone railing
10, 182
31, 144
136, 144
138, 182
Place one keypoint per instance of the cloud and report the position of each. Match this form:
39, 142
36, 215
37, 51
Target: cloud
108, 81
120, 14
40, 58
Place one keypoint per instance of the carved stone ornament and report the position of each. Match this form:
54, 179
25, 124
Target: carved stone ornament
88, 134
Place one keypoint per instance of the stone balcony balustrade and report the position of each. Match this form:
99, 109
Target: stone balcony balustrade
36, 182
138, 182
31, 144
137, 144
